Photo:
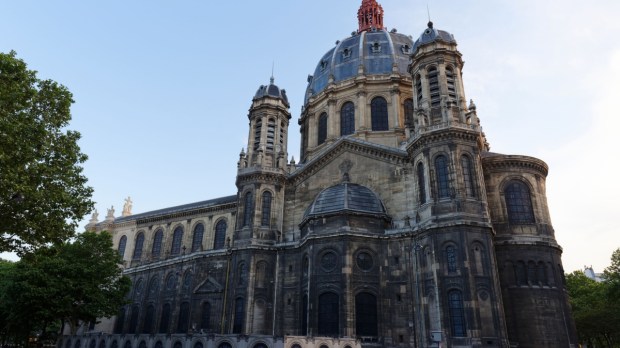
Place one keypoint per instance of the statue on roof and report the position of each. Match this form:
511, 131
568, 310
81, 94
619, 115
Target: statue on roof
127, 207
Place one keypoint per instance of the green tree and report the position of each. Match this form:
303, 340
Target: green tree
612, 276
74, 282
43, 194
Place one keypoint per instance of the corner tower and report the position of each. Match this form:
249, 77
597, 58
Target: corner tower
262, 169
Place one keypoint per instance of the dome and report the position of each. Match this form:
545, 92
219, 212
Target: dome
377, 50
431, 34
271, 90
345, 197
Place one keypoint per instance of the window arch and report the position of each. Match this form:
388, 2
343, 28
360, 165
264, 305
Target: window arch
266, 209
165, 319
183, 323
199, 231
433, 86
450, 83
157, 239
379, 114
322, 129
421, 184
468, 176
347, 119
408, 109
451, 258
177, 240
239, 315
441, 170
457, 313
329, 314
122, 243
248, 210
205, 318
366, 314
220, 235
518, 203
137, 251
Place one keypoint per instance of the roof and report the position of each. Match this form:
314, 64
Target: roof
179, 208
345, 197
271, 90
431, 34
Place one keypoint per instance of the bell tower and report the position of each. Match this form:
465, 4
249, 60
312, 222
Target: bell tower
262, 168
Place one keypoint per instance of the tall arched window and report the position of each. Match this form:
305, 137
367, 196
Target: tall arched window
205, 318
266, 209
239, 316
441, 170
137, 251
164, 323
199, 231
450, 83
133, 320
304, 315
220, 235
347, 119
518, 203
248, 211
322, 129
157, 239
177, 240
366, 314
433, 86
379, 114
468, 176
121, 246
457, 313
329, 314
421, 184
149, 318
408, 109
451, 258
183, 322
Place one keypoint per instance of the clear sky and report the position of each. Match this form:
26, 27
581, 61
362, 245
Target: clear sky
162, 90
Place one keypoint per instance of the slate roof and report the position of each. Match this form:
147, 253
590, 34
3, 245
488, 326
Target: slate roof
179, 208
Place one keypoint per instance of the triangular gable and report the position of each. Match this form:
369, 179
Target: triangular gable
210, 285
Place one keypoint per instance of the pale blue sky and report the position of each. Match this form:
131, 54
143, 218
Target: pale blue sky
162, 89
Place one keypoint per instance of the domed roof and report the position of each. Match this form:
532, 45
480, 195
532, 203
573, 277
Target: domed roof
345, 197
271, 90
431, 34
377, 50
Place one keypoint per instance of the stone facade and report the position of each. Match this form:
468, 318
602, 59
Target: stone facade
398, 228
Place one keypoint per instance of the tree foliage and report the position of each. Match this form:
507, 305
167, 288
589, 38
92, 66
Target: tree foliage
43, 194
596, 305
69, 283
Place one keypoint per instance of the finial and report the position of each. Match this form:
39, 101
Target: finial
273, 63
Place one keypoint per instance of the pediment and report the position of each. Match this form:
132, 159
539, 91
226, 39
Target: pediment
209, 285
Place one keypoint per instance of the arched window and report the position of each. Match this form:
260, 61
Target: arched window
468, 176
239, 316
248, 211
520, 273
157, 239
433, 86
165, 319
366, 314
451, 258
137, 251
457, 313
271, 133
379, 114
541, 271
408, 109
199, 231
266, 209
153, 287
531, 273
450, 83
198, 345
149, 318
329, 314
347, 119
441, 170
177, 240
121, 246
183, 323
114, 344
205, 319
418, 89
322, 129
133, 320
142, 344
518, 203
120, 321
127, 344
421, 184
220, 235
257, 133
158, 344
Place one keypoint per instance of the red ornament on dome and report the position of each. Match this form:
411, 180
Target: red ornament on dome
370, 15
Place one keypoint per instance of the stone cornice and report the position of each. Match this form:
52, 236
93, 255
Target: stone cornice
191, 212
260, 176
442, 135
499, 162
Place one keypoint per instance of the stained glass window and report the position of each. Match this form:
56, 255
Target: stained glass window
366, 314
347, 119
441, 170
329, 314
197, 237
239, 316
457, 313
183, 323
518, 203
205, 319
165, 319
451, 258
421, 184
121, 246
177, 239
379, 114
408, 108
149, 318
266, 209
220, 235
248, 209
137, 251
322, 129
157, 239
468, 176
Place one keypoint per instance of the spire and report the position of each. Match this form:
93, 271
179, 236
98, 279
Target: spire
370, 15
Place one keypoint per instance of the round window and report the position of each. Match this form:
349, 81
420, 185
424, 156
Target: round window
329, 261
364, 261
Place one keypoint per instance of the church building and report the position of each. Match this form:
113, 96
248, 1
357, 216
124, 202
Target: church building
397, 228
